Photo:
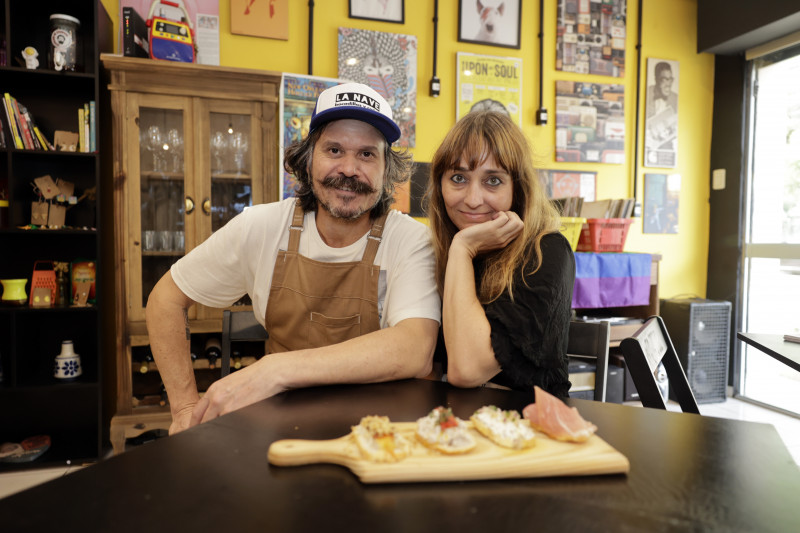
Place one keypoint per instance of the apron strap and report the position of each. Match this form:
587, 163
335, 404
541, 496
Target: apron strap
296, 228
374, 240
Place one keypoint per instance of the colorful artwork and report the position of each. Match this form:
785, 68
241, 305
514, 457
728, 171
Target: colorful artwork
489, 82
298, 97
203, 18
387, 62
262, 18
661, 114
590, 122
569, 183
591, 37
661, 198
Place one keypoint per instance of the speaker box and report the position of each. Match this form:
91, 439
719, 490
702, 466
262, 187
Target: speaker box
700, 332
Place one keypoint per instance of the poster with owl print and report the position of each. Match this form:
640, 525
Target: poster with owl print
387, 62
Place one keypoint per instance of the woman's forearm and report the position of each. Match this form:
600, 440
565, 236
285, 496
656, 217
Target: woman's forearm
467, 332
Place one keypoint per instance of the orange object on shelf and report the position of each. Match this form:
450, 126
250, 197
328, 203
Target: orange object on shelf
44, 277
604, 234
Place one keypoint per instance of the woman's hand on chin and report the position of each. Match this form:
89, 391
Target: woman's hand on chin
492, 235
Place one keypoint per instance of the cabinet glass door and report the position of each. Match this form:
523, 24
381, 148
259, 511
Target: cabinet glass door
230, 168
159, 191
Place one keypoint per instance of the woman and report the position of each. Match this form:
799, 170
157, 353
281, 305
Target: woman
504, 270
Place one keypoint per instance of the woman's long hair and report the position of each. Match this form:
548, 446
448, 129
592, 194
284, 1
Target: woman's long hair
297, 161
476, 136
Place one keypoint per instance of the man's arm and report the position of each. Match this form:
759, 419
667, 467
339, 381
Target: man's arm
402, 351
168, 329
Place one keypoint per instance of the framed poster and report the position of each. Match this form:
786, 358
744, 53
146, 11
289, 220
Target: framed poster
569, 183
203, 18
298, 97
661, 198
590, 122
661, 114
387, 62
590, 37
261, 19
384, 10
493, 22
489, 82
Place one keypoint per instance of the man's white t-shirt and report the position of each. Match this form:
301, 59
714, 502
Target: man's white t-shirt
239, 259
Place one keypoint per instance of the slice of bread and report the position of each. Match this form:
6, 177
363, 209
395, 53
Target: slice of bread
442, 431
505, 428
378, 441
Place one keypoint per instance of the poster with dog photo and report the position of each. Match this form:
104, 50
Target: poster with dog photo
387, 62
489, 83
493, 22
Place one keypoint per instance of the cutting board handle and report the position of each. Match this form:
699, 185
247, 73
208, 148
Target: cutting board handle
295, 452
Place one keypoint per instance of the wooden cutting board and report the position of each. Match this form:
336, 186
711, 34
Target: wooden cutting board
546, 458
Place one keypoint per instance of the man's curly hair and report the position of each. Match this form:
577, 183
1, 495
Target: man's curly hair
297, 160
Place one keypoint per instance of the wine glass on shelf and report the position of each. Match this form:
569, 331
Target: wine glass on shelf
175, 142
156, 145
219, 145
240, 144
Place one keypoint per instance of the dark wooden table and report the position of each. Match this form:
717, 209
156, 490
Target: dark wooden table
688, 473
786, 352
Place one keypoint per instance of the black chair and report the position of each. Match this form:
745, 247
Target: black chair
589, 341
644, 351
238, 326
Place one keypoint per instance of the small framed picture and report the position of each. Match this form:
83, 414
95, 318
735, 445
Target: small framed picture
493, 22
385, 10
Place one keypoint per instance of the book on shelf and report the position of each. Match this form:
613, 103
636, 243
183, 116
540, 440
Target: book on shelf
81, 137
86, 127
92, 127
2, 134
12, 121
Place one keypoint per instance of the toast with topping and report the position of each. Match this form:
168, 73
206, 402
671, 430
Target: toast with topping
442, 431
378, 441
504, 428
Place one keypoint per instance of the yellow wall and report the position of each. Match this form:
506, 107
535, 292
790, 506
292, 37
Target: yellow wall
669, 31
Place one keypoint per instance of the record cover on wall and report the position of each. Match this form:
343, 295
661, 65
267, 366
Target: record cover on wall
489, 83
661, 114
299, 94
590, 37
569, 183
661, 200
590, 122
387, 62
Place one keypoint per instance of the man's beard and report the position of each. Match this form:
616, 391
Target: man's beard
350, 184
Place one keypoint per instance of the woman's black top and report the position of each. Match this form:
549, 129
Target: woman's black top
529, 335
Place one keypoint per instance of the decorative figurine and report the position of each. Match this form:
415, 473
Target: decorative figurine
30, 55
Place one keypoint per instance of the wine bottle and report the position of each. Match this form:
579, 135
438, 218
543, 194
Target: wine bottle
213, 351
236, 360
145, 362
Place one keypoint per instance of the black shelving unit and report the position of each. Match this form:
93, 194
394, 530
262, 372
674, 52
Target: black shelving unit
32, 401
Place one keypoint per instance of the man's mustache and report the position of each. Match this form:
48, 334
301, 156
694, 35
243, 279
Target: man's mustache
349, 183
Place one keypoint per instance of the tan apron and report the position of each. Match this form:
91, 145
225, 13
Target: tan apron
313, 304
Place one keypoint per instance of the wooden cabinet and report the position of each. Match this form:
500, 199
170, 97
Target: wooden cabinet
193, 146
32, 401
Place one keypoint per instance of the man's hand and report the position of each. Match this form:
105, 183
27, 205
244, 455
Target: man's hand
492, 235
181, 419
244, 387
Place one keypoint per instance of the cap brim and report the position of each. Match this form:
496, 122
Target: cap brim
381, 122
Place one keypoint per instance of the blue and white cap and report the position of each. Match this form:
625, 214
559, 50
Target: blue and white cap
358, 102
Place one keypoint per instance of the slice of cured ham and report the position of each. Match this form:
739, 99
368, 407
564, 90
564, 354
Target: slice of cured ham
554, 418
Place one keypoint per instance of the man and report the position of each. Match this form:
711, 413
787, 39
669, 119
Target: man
661, 112
344, 286
660, 96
